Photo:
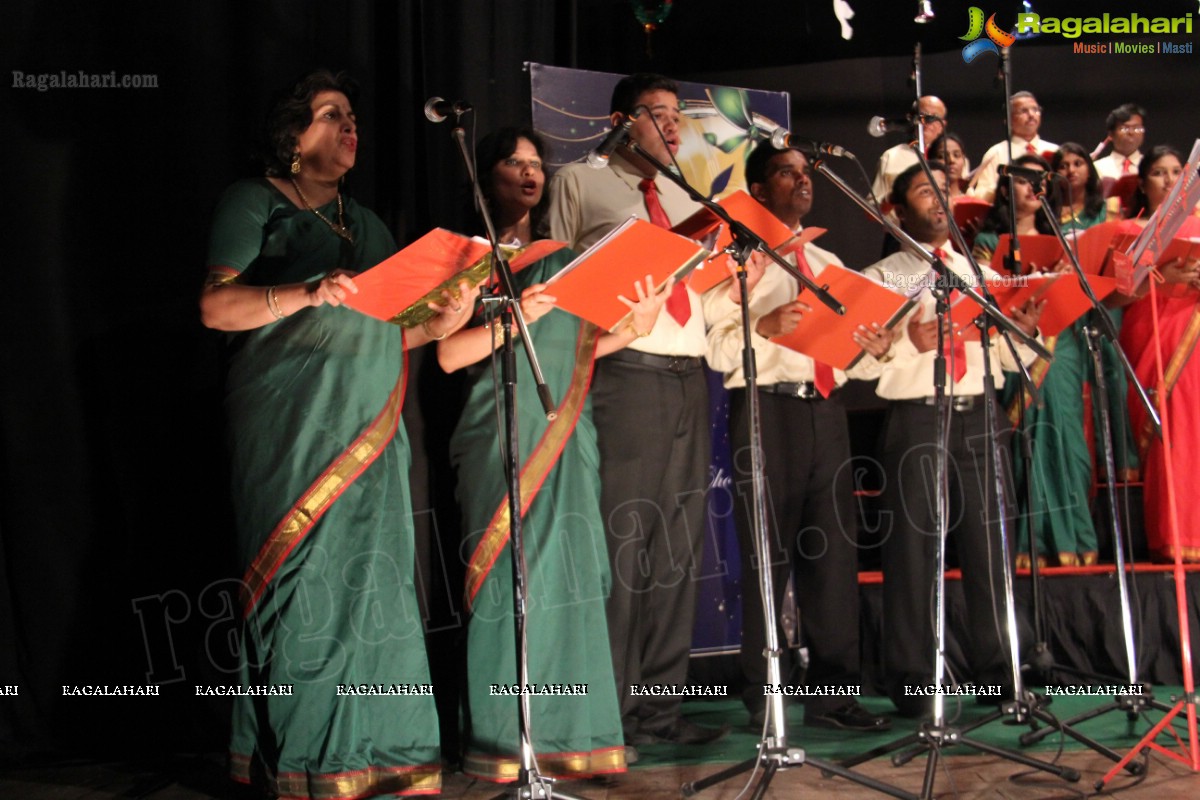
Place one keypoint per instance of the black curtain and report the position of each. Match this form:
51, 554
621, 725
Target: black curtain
115, 533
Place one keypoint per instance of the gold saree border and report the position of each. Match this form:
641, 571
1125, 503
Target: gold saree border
1037, 374
374, 780
1174, 368
506, 769
537, 466
321, 495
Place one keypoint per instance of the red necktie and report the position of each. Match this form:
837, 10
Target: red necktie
679, 305
822, 372
1126, 167
1029, 148
953, 349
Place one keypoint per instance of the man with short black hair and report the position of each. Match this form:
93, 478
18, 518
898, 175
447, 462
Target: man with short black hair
1126, 125
909, 445
650, 406
806, 448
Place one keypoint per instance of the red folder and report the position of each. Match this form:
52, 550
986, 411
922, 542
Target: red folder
1039, 252
969, 211
1065, 300
400, 288
826, 336
751, 213
589, 285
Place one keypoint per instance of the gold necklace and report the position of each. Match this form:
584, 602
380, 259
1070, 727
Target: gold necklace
340, 228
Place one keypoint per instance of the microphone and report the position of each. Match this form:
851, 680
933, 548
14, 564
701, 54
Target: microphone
878, 126
782, 140
598, 158
437, 109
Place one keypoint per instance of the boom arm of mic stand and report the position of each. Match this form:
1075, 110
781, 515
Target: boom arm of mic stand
960, 241
902, 236
1106, 323
744, 237
504, 273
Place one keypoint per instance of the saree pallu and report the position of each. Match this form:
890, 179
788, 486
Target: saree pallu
320, 484
1179, 330
575, 722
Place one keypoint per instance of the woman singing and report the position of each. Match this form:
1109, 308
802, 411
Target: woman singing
320, 471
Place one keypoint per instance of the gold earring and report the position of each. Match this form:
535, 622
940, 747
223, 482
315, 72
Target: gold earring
296, 163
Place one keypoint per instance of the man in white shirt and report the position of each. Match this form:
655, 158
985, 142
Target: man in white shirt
806, 448
1026, 120
909, 445
650, 407
1126, 126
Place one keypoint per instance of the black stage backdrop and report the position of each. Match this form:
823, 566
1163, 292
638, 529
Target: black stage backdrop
115, 531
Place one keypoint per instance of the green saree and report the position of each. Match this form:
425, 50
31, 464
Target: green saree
574, 734
320, 488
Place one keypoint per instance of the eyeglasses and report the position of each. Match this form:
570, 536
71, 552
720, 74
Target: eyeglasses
1126, 129
1029, 110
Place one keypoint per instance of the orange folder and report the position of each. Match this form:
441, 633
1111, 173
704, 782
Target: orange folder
1094, 246
751, 213
969, 211
1039, 252
826, 336
1065, 300
1130, 277
400, 288
589, 285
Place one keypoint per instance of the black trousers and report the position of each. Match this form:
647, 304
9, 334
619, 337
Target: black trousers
813, 534
909, 551
653, 431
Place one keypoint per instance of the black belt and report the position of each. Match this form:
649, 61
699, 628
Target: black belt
806, 390
668, 363
960, 403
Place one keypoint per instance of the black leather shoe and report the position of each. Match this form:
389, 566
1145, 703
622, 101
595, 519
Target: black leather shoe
852, 717
681, 731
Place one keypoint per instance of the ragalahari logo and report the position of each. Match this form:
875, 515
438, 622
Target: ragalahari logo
995, 40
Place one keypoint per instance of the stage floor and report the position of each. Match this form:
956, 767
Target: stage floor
662, 769
969, 777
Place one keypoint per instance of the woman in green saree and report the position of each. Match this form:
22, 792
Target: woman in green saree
320, 472
574, 735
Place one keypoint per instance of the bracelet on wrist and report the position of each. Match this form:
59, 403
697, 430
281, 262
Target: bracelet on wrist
633, 329
273, 303
497, 334
430, 334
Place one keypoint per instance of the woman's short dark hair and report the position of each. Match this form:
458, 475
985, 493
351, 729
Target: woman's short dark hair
1156, 154
1093, 197
292, 114
499, 145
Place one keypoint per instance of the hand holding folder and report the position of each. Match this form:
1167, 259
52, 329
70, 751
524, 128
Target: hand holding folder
704, 224
589, 286
828, 337
400, 288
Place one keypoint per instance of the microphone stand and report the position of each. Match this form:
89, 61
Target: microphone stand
740, 233
773, 751
530, 783
1132, 704
932, 737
